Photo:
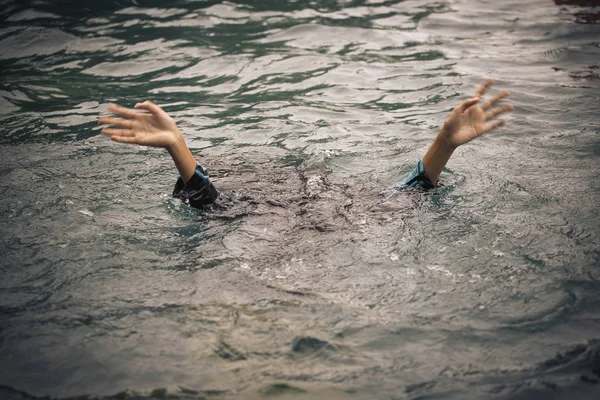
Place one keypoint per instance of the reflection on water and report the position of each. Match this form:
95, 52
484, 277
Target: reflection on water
319, 282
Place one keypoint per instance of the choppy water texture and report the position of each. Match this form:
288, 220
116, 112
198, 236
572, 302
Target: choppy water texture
318, 283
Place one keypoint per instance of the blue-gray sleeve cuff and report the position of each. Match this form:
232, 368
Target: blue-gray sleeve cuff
417, 177
198, 192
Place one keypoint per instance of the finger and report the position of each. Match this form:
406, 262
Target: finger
122, 111
149, 106
495, 125
468, 103
116, 132
488, 104
484, 87
117, 122
498, 111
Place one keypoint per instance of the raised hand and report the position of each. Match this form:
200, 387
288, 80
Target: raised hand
154, 128
470, 120
466, 122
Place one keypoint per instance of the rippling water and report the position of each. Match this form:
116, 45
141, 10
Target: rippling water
319, 282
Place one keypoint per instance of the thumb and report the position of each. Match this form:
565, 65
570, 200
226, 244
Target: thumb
468, 103
149, 106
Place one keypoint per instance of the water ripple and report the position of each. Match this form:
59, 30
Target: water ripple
317, 282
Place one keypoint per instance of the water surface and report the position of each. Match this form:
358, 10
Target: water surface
319, 282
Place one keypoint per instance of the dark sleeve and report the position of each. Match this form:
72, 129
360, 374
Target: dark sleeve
199, 192
417, 178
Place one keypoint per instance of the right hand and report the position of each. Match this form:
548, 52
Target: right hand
470, 120
154, 129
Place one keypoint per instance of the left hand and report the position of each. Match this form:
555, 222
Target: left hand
153, 128
470, 120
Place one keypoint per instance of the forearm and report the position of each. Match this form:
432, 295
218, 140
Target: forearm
437, 157
194, 186
183, 158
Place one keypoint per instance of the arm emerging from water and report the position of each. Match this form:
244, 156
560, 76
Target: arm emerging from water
466, 122
151, 126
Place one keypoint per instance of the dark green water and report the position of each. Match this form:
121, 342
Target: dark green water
319, 283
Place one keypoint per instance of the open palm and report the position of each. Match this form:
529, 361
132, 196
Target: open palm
155, 129
470, 120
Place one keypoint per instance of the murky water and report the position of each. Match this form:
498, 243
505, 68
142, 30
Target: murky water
319, 282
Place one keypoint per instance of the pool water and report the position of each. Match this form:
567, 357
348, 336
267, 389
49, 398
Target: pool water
319, 282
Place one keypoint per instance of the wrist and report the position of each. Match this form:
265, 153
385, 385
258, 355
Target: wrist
445, 142
177, 144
